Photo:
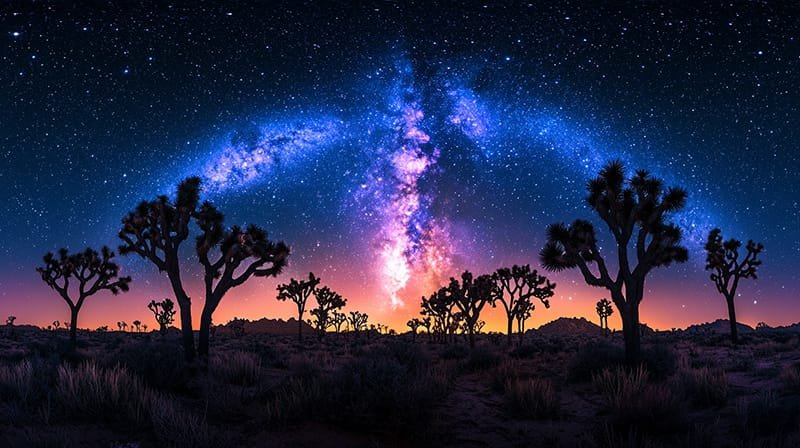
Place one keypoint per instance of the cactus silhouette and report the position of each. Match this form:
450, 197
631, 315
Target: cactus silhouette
520, 284
635, 211
327, 301
358, 321
78, 276
337, 320
604, 309
727, 269
298, 291
155, 231
470, 295
164, 312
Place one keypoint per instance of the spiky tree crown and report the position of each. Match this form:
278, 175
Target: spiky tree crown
633, 209
722, 258
92, 270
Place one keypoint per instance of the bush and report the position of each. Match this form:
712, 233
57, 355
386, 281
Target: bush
159, 363
88, 392
480, 359
532, 398
456, 351
175, 428
235, 367
790, 376
593, 358
704, 387
660, 361
524, 351
767, 414
16, 381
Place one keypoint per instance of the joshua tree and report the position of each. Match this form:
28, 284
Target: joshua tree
240, 255
604, 309
81, 274
144, 328
298, 291
56, 324
155, 231
722, 258
337, 320
636, 213
10, 320
439, 308
102, 329
522, 311
358, 321
517, 284
414, 324
164, 312
426, 322
327, 301
138, 325
470, 296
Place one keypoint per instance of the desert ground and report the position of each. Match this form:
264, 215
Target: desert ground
562, 385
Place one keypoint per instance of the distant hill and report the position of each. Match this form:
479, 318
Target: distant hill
719, 326
570, 325
270, 326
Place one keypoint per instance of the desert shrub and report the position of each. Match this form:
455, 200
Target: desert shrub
455, 351
481, 358
160, 364
743, 362
89, 392
704, 387
660, 361
768, 414
506, 371
638, 405
592, 358
381, 390
790, 377
16, 381
524, 351
176, 428
235, 367
295, 400
532, 398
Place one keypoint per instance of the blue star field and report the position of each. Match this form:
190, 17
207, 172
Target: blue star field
393, 145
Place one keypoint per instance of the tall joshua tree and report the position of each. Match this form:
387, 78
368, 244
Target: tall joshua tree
604, 309
328, 300
636, 213
298, 291
470, 296
358, 321
164, 313
77, 276
155, 231
240, 255
439, 307
337, 320
520, 283
722, 259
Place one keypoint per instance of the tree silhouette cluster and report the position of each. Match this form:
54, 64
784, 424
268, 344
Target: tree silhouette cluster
164, 313
604, 310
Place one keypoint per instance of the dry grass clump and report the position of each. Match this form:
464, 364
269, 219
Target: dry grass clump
532, 398
236, 367
704, 387
16, 381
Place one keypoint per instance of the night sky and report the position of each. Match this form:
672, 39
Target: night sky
395, 144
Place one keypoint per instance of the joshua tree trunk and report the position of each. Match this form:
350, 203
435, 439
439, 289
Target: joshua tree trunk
732, 318
471, 332
73, 326
510, 329
630, 331
185, 305
205, 325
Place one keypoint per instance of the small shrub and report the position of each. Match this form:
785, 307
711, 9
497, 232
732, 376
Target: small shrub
705, 387
532, 398
790, 376
481, 359
593, 358
16, 381
88, 392
456, 351
620, 386
236, 367
660, 361
768, 414
524, 351
176, 428
506, 371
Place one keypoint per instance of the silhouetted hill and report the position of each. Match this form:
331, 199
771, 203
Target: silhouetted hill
570, 325
794, 328
271, 326
719, 326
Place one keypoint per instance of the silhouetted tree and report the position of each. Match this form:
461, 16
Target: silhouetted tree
635, 212
327, 301
358, 321
426, 323
439, 307
337, 320
138, 325
298, 291
604, 309
520, 283
102, 329
93, 273
155, 231
470, 295
164, 312
722, 258
56, 325
144, 328
240, 255
237, 327
414, 325
522, 311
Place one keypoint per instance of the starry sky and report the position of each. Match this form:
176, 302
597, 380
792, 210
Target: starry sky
394, 144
